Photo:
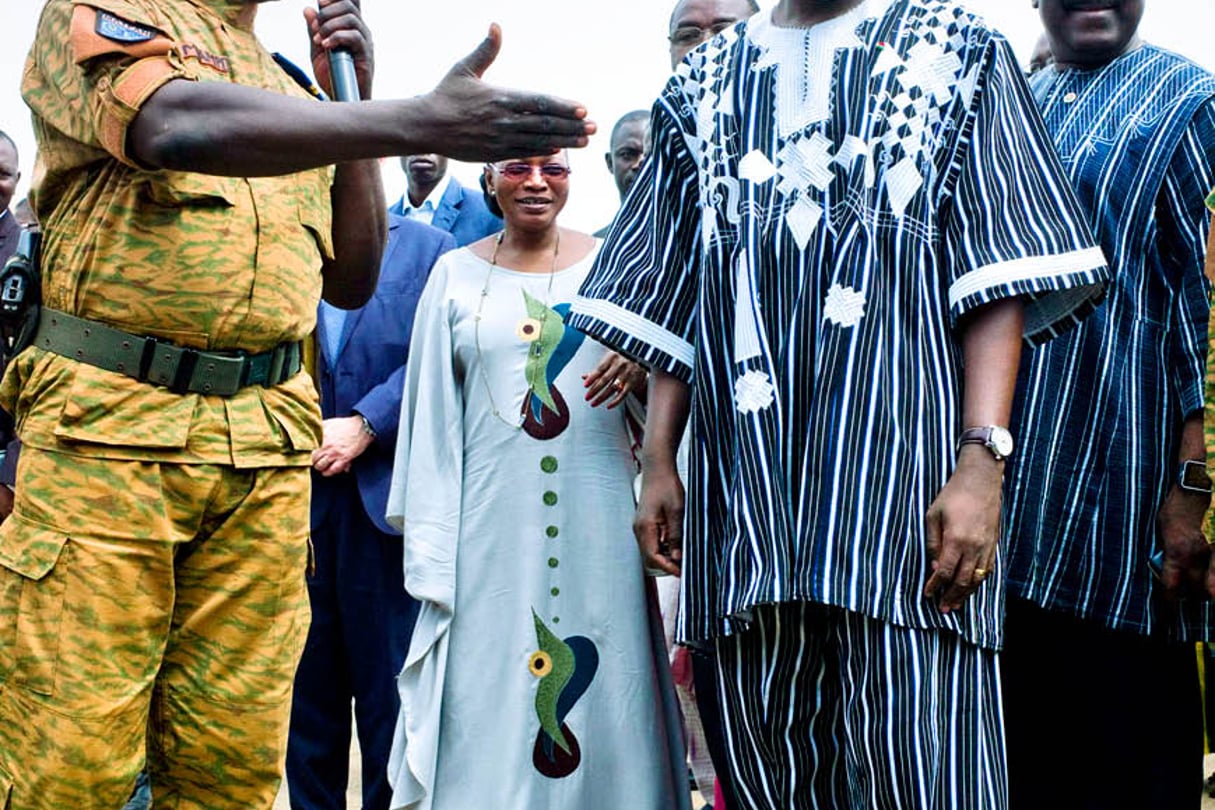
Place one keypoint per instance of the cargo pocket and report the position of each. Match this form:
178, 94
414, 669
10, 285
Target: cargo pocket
32, 582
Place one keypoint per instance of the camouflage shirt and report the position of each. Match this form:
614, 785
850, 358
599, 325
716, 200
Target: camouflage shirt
202, 261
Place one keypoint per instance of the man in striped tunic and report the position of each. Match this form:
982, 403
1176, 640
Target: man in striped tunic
850, 218
1112, 468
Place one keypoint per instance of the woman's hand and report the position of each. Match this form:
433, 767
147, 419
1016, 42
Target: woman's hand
612, 380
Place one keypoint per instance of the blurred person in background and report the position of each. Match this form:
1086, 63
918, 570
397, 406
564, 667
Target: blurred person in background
433, 197
626, 151
362, 617
694, 22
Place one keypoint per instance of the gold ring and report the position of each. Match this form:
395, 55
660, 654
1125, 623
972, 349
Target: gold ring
981, 573
618, 384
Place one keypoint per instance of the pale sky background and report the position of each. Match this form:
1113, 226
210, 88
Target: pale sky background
610, 56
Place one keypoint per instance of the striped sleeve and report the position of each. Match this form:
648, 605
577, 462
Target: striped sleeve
1012, 226
1183, 226
640, 297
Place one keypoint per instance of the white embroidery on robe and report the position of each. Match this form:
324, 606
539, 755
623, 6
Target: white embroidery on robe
753, 392
756, 168
802, 220
748, 319
844, 306
903, 180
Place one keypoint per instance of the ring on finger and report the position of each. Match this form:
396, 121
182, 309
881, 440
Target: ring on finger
618, 384
981, 574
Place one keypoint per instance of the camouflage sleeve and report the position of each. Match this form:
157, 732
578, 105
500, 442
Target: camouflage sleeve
93, 65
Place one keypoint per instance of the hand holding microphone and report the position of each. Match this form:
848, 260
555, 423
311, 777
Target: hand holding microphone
345, 80
341, 49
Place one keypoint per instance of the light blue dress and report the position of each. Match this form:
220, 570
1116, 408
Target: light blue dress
537, 676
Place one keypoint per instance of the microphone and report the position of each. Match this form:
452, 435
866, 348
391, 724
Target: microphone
345, 81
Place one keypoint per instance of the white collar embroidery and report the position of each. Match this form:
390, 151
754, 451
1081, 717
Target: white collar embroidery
804, 59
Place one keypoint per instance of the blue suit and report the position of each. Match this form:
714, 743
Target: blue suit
362, 617
462, 213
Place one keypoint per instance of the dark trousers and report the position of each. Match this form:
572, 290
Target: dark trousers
1098, 718
704, 674
362, 620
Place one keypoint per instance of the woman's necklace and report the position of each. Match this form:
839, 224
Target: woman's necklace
537, 345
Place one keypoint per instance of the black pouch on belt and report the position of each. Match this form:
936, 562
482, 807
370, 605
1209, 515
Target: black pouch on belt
21, 294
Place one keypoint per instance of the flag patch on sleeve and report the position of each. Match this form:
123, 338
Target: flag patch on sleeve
119, 30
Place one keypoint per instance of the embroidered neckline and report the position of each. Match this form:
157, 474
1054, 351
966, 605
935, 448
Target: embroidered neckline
804, 60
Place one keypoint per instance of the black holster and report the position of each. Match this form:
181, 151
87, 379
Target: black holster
21, 294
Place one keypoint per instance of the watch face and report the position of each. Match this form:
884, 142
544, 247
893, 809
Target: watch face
1001, 441
1194, 476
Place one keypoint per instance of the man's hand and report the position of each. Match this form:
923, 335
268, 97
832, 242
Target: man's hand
658, 525
338, 25
614, 379
343, 440
963, 528
1187, 569
474, 121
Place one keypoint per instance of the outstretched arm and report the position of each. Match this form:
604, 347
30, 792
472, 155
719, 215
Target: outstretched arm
227, 129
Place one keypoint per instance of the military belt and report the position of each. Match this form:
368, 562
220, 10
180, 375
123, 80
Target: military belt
158, 362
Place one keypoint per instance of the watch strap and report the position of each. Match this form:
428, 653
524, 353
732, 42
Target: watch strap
986, 436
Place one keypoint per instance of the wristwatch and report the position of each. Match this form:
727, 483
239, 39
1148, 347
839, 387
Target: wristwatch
1192, 477
367, 428
996, 439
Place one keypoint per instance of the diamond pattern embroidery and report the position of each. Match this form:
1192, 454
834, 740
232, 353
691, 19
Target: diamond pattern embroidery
903, 180
802, 220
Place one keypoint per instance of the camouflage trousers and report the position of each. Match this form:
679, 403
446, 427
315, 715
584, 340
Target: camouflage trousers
149, 602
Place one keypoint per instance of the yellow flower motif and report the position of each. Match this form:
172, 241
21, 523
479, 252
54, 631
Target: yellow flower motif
540, 664
528, 330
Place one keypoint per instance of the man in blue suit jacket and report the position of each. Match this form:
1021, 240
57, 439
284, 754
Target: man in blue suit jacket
362, 617
433, 198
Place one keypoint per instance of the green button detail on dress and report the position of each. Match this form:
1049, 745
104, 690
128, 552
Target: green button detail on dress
548, 464
553, 562
550, 499
552, 532
555, 591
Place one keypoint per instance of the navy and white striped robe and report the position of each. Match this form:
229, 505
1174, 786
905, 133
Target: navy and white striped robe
821, 208
1101, 409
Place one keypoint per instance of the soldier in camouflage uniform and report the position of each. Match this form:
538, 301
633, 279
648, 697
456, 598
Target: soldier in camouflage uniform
152, 572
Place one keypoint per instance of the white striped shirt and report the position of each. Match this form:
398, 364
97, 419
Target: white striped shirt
821, 206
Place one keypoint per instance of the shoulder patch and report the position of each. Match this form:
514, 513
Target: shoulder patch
101, 33
119, 30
